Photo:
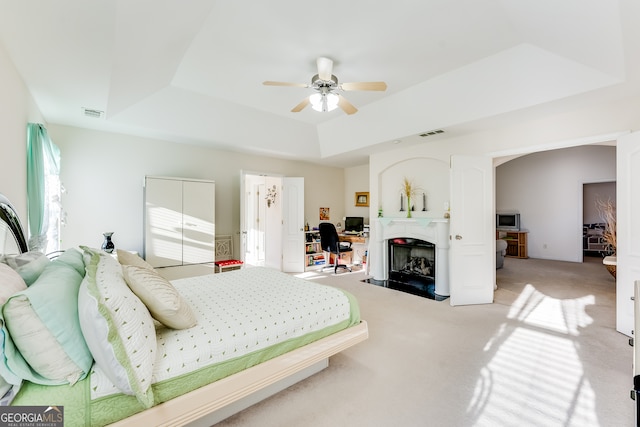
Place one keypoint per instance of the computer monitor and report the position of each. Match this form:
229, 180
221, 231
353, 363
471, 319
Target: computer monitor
354, 224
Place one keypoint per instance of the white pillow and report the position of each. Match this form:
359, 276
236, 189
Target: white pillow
164, 302
117, 326
10, 283
29, 265
128, 258
37, 345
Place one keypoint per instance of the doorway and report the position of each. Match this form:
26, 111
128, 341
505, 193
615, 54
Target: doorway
271, 221
261, 220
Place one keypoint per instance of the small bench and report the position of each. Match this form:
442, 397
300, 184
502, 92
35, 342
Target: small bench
224, 254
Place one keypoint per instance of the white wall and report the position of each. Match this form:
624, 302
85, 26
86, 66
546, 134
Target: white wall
546, 188
593, 123
103, 174
17, 108
356, 180
429, 177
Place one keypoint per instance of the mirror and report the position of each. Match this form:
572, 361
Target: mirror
12, 238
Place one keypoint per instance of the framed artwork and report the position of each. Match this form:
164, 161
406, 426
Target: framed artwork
324, 214
362, 199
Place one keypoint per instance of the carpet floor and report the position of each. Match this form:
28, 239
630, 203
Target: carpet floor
546, 353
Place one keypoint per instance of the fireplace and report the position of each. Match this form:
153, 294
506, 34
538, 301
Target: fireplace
411, 259
412, 266
429, 260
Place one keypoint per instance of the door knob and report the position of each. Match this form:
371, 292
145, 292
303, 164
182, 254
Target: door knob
458, 237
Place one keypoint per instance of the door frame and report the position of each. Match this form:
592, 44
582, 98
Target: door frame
274, 218
507, 155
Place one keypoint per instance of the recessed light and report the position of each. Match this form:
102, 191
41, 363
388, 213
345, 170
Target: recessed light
396, 141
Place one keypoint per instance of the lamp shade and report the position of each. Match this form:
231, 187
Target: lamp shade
324, 102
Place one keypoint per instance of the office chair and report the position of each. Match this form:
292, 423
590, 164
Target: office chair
330, 243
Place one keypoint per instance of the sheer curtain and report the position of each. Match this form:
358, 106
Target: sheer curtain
43, 190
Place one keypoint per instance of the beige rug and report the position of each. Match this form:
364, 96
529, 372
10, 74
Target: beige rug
546, 353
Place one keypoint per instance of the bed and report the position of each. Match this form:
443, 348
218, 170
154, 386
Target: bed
210, 347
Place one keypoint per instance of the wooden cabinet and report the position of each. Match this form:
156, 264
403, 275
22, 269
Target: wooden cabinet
179, 221
314, 257
516, 242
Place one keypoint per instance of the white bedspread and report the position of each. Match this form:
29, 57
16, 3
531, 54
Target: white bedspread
239, 312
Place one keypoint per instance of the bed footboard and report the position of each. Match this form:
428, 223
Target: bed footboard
207, 400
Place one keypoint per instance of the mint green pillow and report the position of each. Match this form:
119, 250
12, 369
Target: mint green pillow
73, 258
43, 342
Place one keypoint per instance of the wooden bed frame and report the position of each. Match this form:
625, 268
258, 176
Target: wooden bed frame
219, 400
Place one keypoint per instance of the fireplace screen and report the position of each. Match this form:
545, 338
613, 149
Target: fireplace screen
411, 259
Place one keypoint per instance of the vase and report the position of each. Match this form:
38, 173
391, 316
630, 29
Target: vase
408, 206
108, 245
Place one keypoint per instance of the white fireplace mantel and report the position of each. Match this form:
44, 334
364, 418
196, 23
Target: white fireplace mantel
434, 230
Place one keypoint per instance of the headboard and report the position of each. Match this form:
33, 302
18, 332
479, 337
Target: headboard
12, 237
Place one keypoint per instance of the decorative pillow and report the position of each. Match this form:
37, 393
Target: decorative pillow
163, 300
42, 322
73, 258
117, 326
10, 283
29, 265
127, 258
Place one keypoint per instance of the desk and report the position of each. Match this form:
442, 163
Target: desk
353, 238
356, 256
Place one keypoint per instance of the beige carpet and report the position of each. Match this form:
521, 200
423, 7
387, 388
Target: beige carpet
546, 353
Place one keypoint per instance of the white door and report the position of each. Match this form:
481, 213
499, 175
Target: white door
273, 200
628, 229
198, 222
252, 219
473, 257
293, 225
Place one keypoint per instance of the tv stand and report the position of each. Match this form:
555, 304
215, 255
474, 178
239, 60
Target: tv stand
516, 242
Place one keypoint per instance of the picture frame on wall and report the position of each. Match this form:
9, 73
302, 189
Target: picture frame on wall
362, 199
324, 214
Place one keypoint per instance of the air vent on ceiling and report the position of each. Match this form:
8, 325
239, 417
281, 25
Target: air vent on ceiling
431, 133
96, 114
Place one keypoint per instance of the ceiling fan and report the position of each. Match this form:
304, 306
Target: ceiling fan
327, 95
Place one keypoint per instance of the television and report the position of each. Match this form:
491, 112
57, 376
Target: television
354, 224
508, 221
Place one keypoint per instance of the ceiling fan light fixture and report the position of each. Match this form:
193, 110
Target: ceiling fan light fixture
323, 102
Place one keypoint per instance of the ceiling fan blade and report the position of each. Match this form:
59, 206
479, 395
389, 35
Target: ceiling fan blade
364, 86
270, 83
325, 68
300, 106
346, 106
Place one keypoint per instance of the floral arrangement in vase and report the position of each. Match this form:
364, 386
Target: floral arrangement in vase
608, 214
409, 190
607, 211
